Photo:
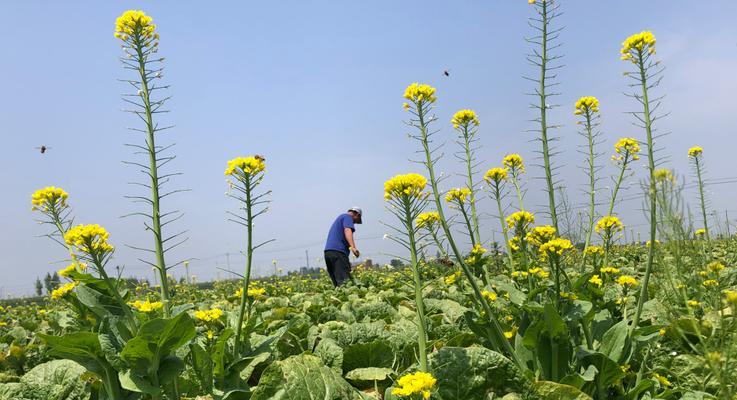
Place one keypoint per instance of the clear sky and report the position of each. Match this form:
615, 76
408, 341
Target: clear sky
316, 87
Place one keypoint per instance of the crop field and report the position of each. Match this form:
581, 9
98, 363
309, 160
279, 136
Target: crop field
554, 309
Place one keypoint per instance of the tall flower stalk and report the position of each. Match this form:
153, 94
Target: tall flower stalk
466, 124
626, 151
542, 58
495, 178
457, 198
516, 167
695, 154
246, 173
421, 98
639, 49
407, 200
430, 221
140, 43
588, 108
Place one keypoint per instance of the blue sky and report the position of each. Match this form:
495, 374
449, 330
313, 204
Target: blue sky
316, 87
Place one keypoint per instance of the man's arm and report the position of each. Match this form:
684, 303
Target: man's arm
349, 238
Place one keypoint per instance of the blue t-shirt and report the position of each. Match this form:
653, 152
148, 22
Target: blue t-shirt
336, 235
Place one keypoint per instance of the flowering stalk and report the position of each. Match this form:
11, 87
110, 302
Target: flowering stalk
247, 174
429, 221
588, 108
496, 177
516, 167
547, 11
422, 97
140, 42
695, 154
457, 198
637, 49
406, 201
466, 124
552, 250
627, 150
607, 227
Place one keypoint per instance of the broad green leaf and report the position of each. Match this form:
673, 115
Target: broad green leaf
302, 377
202, 366
614, 342
53, 380
331, 354
556, 391
82, 347
373, 354
369, 374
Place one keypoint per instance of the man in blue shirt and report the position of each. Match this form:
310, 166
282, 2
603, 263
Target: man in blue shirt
339, 244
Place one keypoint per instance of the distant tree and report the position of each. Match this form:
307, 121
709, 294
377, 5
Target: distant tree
47, 283
396, 263
39, 287
55, 281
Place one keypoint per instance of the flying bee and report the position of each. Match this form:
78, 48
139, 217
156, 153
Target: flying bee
259, 157
446, 72
43, 149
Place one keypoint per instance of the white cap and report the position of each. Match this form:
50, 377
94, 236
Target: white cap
358, 211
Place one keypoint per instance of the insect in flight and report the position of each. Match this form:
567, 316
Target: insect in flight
259, 157
446, 72
43, 149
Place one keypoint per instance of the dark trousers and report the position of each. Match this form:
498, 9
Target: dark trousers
339, 267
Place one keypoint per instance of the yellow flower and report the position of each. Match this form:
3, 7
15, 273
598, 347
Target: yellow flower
510, 334
210, 334
514, 243
626, 280
89, 238
135, 23
496, 175
427, 219
609, 270
63, 290
663, 175
451, 279
249, 166
609, 224
539, 272
693, 303
518, 274
208, 315
418, 383
514, 162
695, 151
420, 93
65, 272
663, 380
626, 148
540, 235
569, 296
710, 282
146, 306
635, 46
555, 247
593, 251
489, 295
596, 280
49, 198
730, 296
459, 195
256, 292
587, 105
657, 242
520, 219
700, 232
408, 185
476, 255
464, 118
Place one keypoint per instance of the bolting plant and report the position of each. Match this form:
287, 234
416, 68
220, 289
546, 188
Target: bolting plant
695, 154
466, 124
542, 57
627, 150
430, 221
407, 200
141, 44
420, 99
496, 178
458, 198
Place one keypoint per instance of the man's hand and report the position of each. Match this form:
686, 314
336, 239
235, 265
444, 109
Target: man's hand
356, 252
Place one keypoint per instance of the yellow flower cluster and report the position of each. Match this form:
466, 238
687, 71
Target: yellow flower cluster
700, 232
420, 383
587, 105
253, 293
539, 272
464, 118
661, 379
146, 306
520, 219
476, 255
514, 243
635, 46
48, 198
135, 23
540, 235
62, 290
427, 219
496, 175
596, 280
459, 195
208, 315
693, 303
710, 282
568, 295
715, 266
730, 296
609, 270
626, 148
609, 224
663, 175
451, 279
66, 272
420, 93
695, 151
514, 162
410, 185
555, 246
593, 251
489, 295
90, 238
251, 165
626, 280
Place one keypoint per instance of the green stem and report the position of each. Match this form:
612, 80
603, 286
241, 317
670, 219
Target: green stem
592, 179
437, 242
543, 115
653, 216
249, 254
505, 231
475, 233
153, 171
617, 184
498, 340
419, 304
701, 197
468, 224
